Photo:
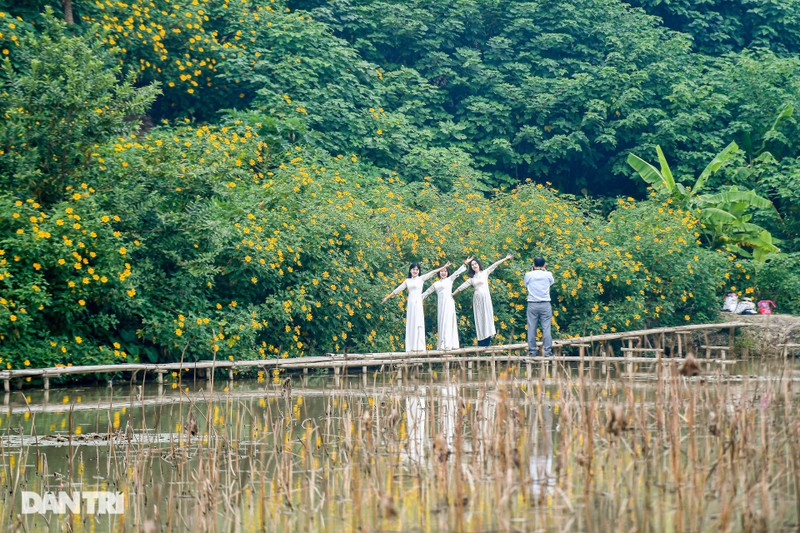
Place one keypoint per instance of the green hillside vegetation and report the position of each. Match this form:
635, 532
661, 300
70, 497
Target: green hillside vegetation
249, 179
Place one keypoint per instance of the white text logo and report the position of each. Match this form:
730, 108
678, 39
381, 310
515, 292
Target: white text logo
90, 502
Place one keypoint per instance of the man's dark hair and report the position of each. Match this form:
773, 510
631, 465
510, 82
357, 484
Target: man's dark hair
538, 262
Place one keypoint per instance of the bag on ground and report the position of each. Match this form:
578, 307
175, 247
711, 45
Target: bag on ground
730, 302
745, 307
765, 307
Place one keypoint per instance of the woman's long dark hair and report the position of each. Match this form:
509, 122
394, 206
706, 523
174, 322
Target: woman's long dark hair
472, 272
419, 267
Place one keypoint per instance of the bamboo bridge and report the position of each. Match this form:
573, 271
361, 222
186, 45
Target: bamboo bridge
647, 345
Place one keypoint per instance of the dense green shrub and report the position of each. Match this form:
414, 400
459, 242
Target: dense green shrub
778, 279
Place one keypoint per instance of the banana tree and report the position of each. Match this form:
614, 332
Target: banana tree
725, 215
664, 183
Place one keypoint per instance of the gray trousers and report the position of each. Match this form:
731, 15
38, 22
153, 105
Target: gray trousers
542, 313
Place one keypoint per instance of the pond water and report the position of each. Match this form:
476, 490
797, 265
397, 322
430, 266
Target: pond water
507, 447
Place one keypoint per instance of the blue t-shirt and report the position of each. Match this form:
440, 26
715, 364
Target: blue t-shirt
538, 283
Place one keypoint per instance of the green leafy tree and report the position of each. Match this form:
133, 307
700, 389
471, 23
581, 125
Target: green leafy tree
62, 95
719, 26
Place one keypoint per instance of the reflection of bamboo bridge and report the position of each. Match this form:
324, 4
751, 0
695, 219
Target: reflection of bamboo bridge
637, 381
648, 345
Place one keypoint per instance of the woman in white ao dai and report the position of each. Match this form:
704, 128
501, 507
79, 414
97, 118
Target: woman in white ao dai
482, 308
446, 307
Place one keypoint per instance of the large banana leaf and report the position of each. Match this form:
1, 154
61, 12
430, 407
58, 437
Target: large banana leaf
648, 173
666, 173
719, 160
717, 216
732, 197
725, 215
764, 246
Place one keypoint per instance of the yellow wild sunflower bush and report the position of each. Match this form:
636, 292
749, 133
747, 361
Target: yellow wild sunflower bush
64, 275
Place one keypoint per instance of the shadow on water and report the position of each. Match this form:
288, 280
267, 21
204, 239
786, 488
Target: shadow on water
505, 447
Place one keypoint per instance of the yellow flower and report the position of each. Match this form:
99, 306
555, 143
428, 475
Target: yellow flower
78, 340
27, 363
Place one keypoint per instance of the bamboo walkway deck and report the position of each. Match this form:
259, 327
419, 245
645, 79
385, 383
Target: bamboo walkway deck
649, 345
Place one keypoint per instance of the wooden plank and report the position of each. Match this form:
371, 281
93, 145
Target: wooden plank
509, 358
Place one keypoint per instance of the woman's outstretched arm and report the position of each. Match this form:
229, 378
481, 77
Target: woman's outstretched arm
428, 275
429, 290
400, 288
497, 264
458, 272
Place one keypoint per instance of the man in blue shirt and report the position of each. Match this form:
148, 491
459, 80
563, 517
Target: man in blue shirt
538, 282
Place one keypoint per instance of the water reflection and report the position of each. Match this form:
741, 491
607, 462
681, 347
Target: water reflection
357, 456
541, 464
442, 413
416, 414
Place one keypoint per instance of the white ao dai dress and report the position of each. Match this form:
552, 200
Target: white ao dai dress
482, 308
448, 324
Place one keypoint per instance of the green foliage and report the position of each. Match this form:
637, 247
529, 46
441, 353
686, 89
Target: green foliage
298, 161
719, 26
778, 279
555, 91
61, 96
